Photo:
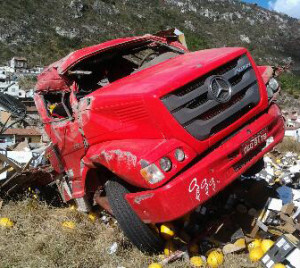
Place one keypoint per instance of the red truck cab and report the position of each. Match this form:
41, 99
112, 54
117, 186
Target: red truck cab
156, 129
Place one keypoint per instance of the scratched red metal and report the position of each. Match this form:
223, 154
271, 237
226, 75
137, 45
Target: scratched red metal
105, 130
206, 178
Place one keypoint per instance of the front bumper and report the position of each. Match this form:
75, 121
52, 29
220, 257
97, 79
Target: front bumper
209, 176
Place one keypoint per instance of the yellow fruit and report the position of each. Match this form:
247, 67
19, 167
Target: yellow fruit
169, 248
278, 265
92, 216
256, 254
155, 265
68, 224
240, 243
254, 244
266, 245
194, 249
6, 222
167, 230
215, 259
196, 261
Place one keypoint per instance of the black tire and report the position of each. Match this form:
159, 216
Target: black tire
256, 168
139, 233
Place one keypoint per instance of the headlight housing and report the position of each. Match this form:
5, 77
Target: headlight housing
179, 155
152, 174
165, 164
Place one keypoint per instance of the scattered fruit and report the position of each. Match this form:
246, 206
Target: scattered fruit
167, 230
215, 259
266, 245
6, 222
72, 207
169, 248
92, 216
240, 243
278, 265
196, 261
155, 265
68, 224
254, 244
256, 254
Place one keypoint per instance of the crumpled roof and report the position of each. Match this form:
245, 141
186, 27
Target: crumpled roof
53, 79
50, 80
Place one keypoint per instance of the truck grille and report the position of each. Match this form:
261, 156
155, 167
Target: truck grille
201, 113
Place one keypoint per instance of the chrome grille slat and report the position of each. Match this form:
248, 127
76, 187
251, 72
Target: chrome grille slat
175, 102
248, 79
205, 126
185, 114
200, 114
241, 62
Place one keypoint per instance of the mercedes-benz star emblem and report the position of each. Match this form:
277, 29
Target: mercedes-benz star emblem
219, 88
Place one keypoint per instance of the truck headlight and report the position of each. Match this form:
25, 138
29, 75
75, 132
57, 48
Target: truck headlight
179, 155
165, 164
152, 174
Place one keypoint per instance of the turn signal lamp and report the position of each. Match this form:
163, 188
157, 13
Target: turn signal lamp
152, 174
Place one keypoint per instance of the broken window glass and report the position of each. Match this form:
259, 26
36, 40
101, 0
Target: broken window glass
58, 105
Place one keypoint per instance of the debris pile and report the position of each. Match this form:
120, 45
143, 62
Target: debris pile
22, 147
23, 168
281, 168
261, 218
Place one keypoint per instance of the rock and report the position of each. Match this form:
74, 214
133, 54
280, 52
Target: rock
77, 7
244, 38
103, 8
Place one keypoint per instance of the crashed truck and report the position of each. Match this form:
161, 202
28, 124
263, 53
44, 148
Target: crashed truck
149, 130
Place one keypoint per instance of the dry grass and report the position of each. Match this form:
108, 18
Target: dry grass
39, 240
289, 145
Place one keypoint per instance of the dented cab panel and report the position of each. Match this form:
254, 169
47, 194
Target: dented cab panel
105, 107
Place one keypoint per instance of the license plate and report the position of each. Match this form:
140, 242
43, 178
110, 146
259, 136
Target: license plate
254, 141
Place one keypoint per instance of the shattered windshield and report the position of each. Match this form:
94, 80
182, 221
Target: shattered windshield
104, 68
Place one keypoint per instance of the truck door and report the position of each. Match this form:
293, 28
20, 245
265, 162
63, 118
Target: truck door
61, 125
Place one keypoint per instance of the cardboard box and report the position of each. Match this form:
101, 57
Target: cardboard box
286, 250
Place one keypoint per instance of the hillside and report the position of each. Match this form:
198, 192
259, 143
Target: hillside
44, 31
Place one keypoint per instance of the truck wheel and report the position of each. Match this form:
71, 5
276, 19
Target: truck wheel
139, 233
256, 168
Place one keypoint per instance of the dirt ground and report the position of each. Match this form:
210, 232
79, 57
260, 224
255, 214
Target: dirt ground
38, 239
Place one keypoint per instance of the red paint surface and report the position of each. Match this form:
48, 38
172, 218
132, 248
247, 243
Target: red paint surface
178, 197
126, 124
